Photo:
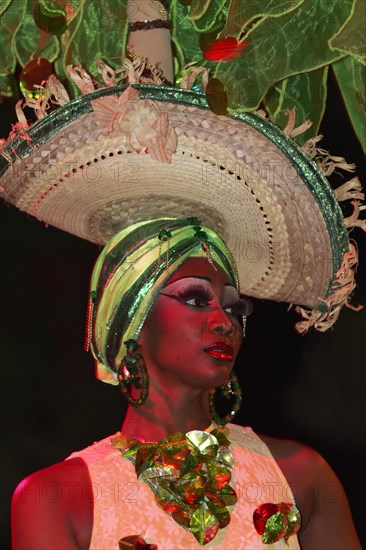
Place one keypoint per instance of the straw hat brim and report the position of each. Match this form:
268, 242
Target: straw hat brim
239, 174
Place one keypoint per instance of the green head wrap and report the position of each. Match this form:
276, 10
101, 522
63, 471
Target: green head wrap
132, 268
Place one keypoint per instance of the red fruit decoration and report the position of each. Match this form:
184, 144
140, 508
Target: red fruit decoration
135, 542
224, 49
261, 514
276, 521
35, 72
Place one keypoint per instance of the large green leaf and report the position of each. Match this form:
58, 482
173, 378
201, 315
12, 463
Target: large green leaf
275, 51
185, 39
351, 78
351, 37
307, 92
11, 17
29, 41
242, 14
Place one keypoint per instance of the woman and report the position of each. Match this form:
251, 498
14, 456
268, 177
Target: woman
123, 154
164, 295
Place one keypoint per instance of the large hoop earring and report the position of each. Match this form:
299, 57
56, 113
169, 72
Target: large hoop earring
132, 372
232, 388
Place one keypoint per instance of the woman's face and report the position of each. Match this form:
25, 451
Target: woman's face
192, 334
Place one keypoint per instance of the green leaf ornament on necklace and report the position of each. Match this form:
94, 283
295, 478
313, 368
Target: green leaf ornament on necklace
189, 475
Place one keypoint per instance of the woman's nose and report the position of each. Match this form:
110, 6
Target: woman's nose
221, 324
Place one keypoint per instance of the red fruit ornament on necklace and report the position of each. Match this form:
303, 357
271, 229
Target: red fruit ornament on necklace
276, 521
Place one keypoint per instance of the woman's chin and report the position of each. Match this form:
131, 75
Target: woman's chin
218, 374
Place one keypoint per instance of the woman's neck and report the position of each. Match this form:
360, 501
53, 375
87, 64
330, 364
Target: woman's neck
162, 415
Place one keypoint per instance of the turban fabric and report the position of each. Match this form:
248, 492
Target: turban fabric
129, 273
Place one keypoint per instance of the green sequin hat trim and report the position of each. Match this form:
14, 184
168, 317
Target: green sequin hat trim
162, 152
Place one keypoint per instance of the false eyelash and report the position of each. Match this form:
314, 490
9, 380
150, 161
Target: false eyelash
195, 291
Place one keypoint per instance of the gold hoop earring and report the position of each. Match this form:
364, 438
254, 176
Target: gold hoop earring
232, 388
132, 372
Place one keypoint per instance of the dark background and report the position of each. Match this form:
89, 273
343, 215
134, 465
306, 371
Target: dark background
310, 388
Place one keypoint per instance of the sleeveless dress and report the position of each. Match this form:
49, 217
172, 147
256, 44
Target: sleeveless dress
124, 506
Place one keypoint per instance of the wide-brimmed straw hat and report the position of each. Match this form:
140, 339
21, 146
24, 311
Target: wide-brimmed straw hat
125, 153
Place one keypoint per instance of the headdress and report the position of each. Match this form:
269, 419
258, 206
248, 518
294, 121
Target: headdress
126, 153
130, 271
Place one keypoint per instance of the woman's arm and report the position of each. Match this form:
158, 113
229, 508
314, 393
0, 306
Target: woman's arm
326, 517
330, 525
49, 509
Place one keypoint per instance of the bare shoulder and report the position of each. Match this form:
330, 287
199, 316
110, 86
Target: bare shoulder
297, 460
326, 518
51, 505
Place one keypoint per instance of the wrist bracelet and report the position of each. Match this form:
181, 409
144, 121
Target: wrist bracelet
149, 25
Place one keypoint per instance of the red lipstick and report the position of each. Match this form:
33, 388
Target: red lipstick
221, 351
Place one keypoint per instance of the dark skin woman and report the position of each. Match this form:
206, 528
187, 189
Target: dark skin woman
192, 313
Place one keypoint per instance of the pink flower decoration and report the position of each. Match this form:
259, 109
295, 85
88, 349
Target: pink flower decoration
140, 120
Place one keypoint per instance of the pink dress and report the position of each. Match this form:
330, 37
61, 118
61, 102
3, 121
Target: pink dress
124, 506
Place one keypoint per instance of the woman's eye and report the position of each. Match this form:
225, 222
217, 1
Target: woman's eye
196, 297
197, 301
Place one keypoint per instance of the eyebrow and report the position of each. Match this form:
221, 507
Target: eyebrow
197, 277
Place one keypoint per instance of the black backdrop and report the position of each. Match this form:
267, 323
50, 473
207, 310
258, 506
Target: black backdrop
310, 388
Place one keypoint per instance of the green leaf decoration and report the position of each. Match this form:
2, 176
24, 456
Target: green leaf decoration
4, 6
183, 518
307, 93
225, 457
185, 40
276, 527
145, 452
169, 461
212, 17
228, 495
153, 474
351, 78
11, 19
28, 37
130, 453
351, 37
275, 52
221, 436
222, 515
109, 37
189, 475
198, 8
218, 475
174, 438
8, 86
166, 496
204, 525
288, 41
213, 498
204, 442
294, 521
191, 462
191, 487
242, 15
